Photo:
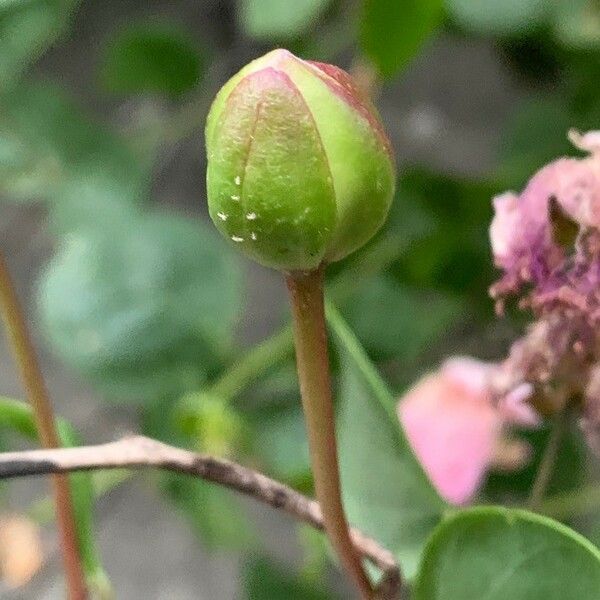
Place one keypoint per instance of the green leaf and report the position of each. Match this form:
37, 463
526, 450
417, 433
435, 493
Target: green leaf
143, 309
392, 319
281, 443
151, 57
453, 253
316, 553
393, 32
4, 4
277, 20
577, 23
410, 217
17, 416
265, 580
214, 512
499, 17
386, 493
27, 29
496, 553
535, 135
50, 150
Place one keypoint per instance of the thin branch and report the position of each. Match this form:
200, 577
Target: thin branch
37, 394
140, 452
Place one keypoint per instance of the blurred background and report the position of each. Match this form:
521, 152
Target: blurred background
142, 313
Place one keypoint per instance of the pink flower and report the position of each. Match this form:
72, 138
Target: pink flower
505, 229
526, 233
455, 428
546, 241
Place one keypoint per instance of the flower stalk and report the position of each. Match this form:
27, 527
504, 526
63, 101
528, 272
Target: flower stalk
307, 300
37, 393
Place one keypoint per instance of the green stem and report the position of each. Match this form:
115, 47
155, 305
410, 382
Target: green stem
307, 299
40, 402
544, 473
256, 361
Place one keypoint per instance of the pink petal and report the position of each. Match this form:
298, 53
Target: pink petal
575, 183
588, 142
452, 427
505, 229
515, 410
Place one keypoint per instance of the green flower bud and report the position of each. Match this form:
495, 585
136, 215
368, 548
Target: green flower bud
213, 424
300, 171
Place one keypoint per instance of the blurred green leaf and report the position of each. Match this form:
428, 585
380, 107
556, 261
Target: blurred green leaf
577, 23
410, 217
392, 319
27, 29
279, 385
280, 441
214, 512
498, 553
10, 3
315, 553
151, 57
50, 150
18, 416
386, 493
95, 199
536, 135
499, 17
277, 19
143, 309
452, 253
393, 32
265, 580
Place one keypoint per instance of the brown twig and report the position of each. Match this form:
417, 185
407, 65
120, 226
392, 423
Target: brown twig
140, 451
33, 381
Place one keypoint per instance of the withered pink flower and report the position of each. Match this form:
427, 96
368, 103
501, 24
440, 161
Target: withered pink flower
546, 241
456, 429
505, 230
528, 232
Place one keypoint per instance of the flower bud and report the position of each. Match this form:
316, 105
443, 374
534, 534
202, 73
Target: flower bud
214, 426
300, 171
